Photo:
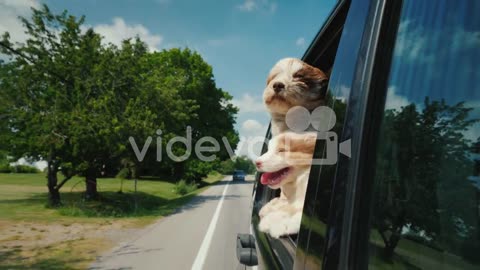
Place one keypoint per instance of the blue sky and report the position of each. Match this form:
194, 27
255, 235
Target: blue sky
241, 39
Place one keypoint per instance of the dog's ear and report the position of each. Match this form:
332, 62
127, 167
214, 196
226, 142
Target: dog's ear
310, 73
323, 88
315, 78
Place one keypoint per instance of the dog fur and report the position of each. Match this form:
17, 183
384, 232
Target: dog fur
290, 83
286, 165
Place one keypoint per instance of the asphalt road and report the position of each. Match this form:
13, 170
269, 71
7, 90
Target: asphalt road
200, 235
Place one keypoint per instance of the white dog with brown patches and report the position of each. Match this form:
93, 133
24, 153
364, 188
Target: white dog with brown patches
286, 165
291, 83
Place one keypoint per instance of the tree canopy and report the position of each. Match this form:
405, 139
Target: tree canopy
70, 98
423, 165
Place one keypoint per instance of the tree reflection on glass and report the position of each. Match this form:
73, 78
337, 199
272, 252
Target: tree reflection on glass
422, 187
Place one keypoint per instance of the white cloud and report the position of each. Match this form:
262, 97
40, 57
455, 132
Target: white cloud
251, 125
249, 104
473, 132
395, 101
253, 129
344, 92
300, 42
119, 30
464, 39
411, 41
248, 5
253, 5
416, 43
19, 6
252, 135
9, 12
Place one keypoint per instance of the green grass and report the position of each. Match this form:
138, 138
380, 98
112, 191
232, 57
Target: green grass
24, 197
212, 178
70, 255
25, 219
412, 255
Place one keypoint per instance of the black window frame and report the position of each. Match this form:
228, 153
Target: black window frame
372, 83
348, 210
332, 257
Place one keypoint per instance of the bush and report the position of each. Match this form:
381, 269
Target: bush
239, 163
195, 170
182, 187
24, 169
227, 167
124, 173
5, 168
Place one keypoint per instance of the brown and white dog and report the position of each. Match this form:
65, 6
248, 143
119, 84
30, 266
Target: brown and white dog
291, 83
286, 165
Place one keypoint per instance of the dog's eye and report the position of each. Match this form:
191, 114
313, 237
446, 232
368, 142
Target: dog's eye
298, 76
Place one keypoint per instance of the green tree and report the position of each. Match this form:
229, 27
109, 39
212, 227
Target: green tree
423, 154
193, 100
75, 102
245, 164
65, 92
41, 88
226, 166
237, 163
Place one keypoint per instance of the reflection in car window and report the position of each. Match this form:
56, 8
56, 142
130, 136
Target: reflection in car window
425, 211
310, 249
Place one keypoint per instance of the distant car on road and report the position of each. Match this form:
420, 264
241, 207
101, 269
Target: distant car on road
238, 175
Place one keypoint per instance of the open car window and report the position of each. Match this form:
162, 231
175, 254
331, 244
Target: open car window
317, 214
320, 54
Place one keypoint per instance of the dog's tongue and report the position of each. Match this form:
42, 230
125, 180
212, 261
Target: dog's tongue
269, 177
265, 177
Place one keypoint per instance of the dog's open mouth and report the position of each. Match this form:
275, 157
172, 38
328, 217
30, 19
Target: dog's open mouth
274, 178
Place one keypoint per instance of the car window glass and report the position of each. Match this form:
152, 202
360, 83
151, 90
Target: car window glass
426, 204
312, 237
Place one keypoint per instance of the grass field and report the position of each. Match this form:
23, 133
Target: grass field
33, 236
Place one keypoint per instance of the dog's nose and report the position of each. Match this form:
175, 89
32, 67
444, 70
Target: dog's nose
258, 163
278, 86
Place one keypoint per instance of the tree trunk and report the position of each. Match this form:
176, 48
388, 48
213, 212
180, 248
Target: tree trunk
178, 170
91, 184
135, 170
390, 247
390, 243
53, 193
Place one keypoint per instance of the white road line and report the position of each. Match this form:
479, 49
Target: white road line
203, 251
